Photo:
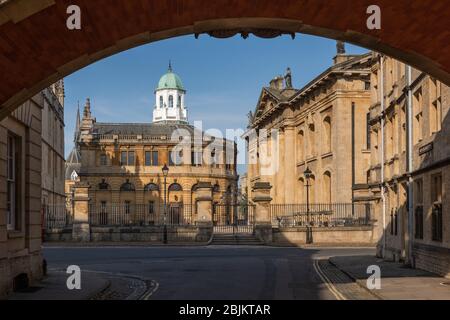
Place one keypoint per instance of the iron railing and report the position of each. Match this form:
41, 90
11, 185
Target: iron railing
321, 215
141, 215
56, 216
233, 218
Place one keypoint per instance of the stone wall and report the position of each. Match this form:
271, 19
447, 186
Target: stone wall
324, 236
20, 245
151, 234
433, 259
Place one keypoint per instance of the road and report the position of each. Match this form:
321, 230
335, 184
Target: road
214, 272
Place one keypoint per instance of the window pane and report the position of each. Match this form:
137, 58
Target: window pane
151, 207
147, 158
131, 158
123, 158
155, 158
103, 160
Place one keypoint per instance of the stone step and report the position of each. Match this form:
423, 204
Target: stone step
235, 239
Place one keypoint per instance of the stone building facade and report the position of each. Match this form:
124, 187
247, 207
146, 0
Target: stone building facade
122, 162
53, 160
411, 183
28, 138
322, 126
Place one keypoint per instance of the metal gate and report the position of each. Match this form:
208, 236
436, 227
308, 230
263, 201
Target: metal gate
233, 218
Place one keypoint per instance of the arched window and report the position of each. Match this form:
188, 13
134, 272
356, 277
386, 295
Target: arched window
326, 187
127, 186
151, 187
327, 134
312, 189
312, 140
301, 198
170, 101
175, 187
301, 146
161, 102
179, 102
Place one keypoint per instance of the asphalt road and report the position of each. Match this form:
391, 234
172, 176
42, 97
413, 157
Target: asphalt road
214, 272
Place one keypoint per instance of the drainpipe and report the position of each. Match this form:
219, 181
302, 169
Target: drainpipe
383, 197
409, 124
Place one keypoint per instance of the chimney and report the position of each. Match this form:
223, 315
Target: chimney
341, 55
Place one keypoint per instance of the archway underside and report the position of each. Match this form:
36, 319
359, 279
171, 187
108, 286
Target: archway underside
37, 49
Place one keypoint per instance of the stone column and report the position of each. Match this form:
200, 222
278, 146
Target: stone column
262, 199
204, 211
81, 230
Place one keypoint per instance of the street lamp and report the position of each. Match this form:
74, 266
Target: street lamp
165, 171
308, 174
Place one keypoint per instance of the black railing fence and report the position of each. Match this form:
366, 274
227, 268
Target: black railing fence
56, 216
233, 218
141, 215
321, 215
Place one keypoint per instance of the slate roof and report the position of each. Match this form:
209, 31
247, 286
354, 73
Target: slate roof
152, 129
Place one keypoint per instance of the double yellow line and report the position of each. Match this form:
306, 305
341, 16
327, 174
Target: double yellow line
327, 282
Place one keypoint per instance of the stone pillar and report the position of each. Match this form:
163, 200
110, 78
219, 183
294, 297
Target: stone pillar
81, 229
262, 199
204, 211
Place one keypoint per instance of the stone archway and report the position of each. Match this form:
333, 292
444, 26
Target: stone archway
37, 49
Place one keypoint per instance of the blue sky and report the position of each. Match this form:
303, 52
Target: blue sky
223, 78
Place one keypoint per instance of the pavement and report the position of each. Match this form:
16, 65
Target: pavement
398, 282
53, 287
94, 286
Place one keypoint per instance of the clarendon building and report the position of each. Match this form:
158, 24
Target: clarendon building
349, 127
122, 164
322, 126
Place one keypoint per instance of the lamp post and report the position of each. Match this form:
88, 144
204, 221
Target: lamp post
308, 175
165, 171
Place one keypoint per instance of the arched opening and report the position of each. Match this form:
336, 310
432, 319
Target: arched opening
127, 187
301, 146
152, 203
71, 58
175, 204
327, 134
82, 47
327, 189
312, 189
311, 140
301, 198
